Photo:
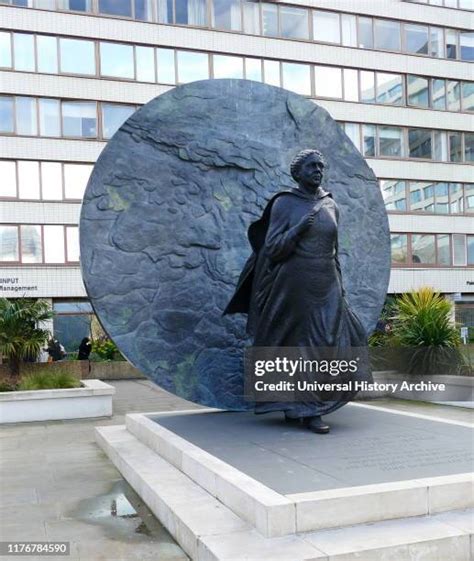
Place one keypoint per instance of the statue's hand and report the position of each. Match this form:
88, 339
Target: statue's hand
306, 222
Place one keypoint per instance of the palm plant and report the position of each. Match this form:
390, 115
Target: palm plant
21, 333
422, 321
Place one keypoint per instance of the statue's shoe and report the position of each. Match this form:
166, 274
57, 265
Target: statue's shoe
317, 425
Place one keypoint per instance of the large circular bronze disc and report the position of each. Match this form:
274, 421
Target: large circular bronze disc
164, 221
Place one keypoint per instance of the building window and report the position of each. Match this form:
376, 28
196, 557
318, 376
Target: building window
353, 132
440, 146
390, 141
51, 181
436, 42
76, 177
297, 77
145, 58
416, 39
269, 19
455, 146
422, 197
328, 81
351, 84
47, 51
423, 249
228, 66
77, 56
116, 60
253, 69
49, 117
9, 249
387, 35
43, 180
191, 12
75, 5
443, 247
8, 183
456, 200
251, 17
430, 250
438, 94
226, 14
368, 132
441, 198
469, 194
451, 43
468, 147
466, 42
389, 88
367, 86
116, 7
113, 117
399, 246
164, 9
326, 27
271, 70
453, 95
470, 250
468, 96
24, 52
192, 66
349, 30
28, 180
294, 23
459, 250
5, 50
72, 244
394, 194
79, 119
72, 322
419, 143
165, 66
418, 91
54, 251
31, 244
366, 36
26, 116
6, 115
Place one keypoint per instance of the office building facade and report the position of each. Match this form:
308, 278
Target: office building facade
397, 75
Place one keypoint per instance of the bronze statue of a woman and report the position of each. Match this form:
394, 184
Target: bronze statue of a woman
291, 287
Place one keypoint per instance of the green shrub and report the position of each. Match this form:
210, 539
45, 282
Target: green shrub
21, 333
6, 386
422, 322
104, 349
49, 380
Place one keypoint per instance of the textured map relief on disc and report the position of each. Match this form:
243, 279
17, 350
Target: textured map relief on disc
164, 221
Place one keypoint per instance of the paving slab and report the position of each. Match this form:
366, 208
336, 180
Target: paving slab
365, 446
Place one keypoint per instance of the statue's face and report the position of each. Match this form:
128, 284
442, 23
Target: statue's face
311, 171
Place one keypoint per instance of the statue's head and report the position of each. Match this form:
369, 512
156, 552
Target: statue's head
307, 168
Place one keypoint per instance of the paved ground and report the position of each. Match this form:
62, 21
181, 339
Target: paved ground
365, 446
56, 484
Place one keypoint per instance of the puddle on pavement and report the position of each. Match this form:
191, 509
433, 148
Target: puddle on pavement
123, 516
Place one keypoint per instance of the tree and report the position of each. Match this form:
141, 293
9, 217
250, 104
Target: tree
21, 333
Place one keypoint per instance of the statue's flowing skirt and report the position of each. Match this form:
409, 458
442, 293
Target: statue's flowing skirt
302, 305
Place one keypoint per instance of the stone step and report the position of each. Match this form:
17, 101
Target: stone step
207, 530
274, 514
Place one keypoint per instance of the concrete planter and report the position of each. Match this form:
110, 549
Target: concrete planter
93, 399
